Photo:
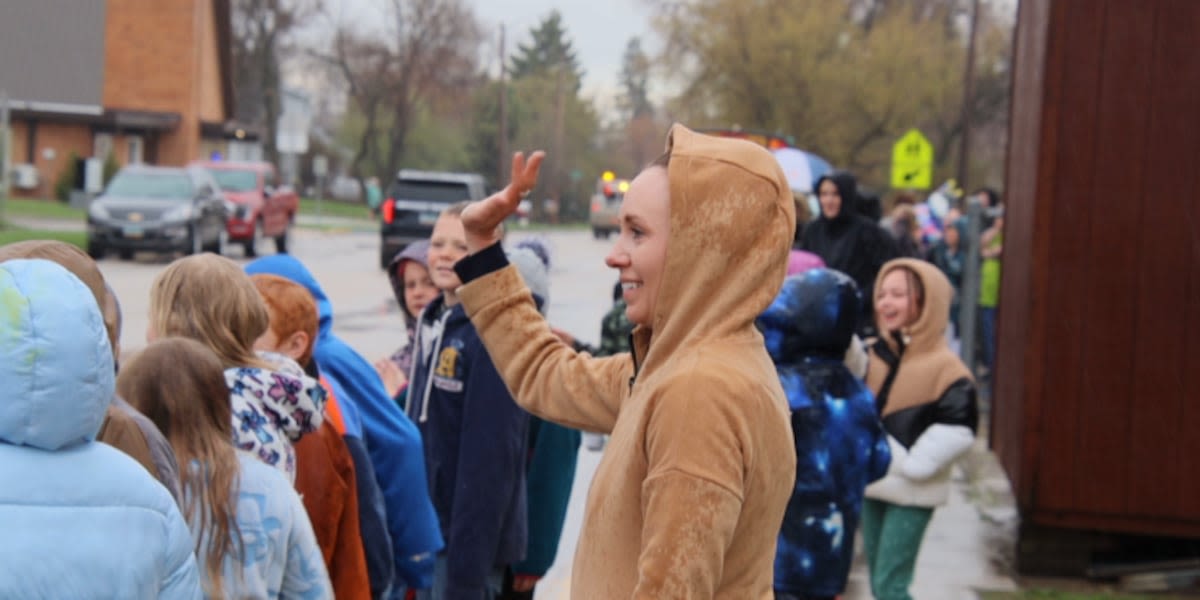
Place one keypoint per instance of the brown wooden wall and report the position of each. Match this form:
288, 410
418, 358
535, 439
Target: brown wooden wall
1095, 416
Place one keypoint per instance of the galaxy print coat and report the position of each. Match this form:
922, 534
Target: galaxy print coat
840, 443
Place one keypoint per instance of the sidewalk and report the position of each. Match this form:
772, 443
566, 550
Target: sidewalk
970, 541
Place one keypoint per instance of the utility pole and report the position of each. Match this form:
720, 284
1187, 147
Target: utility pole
560, 109
502, 175
964, 149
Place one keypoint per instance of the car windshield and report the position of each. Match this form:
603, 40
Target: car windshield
151, 185
235, 181
430, 191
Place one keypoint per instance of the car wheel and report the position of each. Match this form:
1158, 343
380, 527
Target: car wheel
96, 251
283, 240
595, 233
196, 245
125, 254
251, 245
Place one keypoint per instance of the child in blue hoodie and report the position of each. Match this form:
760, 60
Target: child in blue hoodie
474, 435
840, 444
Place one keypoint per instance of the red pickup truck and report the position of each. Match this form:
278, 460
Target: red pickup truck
262, 208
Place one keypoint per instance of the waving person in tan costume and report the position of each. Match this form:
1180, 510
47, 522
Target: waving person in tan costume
689, 497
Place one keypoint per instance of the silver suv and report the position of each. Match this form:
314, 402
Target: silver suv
606, 206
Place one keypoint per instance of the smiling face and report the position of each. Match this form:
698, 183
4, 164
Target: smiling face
640, 253
897, 302
830, 199
419, 289
447, 245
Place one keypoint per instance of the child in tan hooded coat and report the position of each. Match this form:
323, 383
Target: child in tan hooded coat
926, 398
689, 497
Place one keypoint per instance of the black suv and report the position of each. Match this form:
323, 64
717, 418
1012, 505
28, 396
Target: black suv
414, 201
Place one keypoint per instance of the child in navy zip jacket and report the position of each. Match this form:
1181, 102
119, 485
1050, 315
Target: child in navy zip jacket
474, 435
840, 443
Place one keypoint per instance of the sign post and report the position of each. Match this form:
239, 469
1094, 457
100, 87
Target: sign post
912, 162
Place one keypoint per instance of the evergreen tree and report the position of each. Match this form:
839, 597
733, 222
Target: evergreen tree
635, 76
548, 50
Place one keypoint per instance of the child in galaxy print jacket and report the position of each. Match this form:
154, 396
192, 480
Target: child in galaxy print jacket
840, 444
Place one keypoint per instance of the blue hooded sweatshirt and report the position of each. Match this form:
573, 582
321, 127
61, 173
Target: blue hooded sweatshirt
475, 449
840, 443
78, 518
393, 442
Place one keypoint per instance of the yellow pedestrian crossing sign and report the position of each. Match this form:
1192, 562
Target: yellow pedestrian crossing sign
912, 162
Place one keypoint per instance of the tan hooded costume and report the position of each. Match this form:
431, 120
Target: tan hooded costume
929, 406
689, 497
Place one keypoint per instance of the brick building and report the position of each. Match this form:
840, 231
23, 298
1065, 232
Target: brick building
145, 80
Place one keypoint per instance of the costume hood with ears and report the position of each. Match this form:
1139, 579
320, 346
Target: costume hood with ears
929, 367
732, 223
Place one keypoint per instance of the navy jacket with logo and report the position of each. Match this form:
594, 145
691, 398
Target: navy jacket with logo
475, 444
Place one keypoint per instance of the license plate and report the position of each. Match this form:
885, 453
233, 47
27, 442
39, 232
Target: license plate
133, 232
427, 217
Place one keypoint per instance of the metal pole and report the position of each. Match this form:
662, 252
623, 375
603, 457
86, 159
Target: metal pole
964, 149
5, 159
968, 309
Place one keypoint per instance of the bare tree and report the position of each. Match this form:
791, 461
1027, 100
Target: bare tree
260, 31
430, 53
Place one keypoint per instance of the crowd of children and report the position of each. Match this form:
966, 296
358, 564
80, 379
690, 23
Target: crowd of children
247, 451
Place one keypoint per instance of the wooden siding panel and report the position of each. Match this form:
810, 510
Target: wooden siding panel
1157, 437
1078, 27
1189, 422
1111, 291
1015, 401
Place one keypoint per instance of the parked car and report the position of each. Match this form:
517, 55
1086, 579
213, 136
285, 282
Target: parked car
606, 206
262, 208
161, 209
412, 205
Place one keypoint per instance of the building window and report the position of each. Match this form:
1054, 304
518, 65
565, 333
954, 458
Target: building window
136, 146
102, 145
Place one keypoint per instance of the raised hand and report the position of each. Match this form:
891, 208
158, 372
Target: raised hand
482, 219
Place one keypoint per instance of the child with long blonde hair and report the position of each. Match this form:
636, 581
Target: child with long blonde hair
209, 299
252, 536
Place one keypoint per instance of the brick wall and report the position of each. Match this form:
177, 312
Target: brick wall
161, 55
62, 140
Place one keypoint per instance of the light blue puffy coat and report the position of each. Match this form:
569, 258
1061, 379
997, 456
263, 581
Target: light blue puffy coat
78, 519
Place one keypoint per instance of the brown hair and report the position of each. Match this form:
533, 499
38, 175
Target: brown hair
209, 299
291, 309
663, 160
180, 386
916, 289
456, 210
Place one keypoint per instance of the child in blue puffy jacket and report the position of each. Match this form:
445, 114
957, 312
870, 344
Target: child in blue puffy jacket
840, 444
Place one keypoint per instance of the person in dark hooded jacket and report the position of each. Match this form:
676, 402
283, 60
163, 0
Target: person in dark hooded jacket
846, 240
840, 443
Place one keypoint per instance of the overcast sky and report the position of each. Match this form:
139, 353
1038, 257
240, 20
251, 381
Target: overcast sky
599, 30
